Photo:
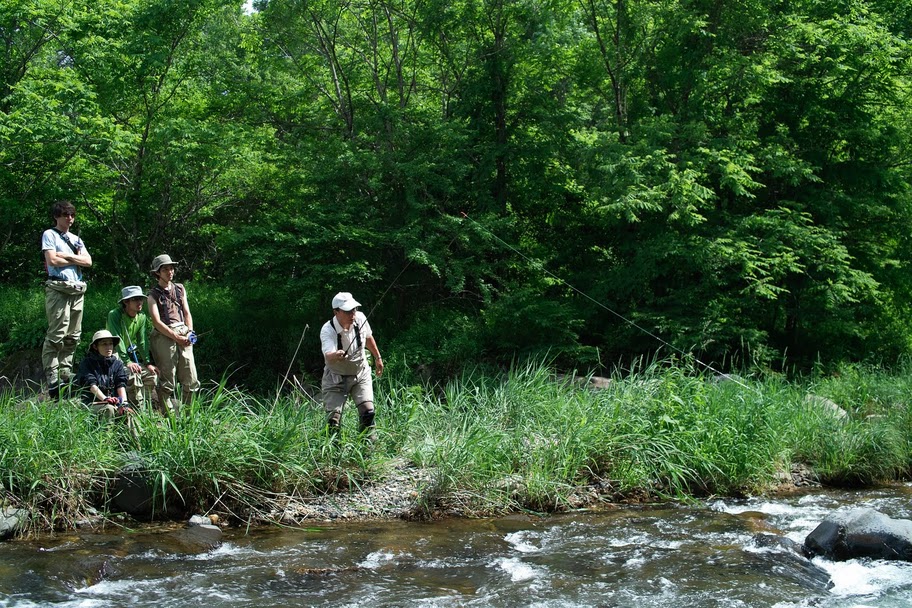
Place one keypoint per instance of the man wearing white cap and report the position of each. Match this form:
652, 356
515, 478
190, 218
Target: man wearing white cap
132, 326
344, 339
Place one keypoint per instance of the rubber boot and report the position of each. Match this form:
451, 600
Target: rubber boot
366, 426
334, 426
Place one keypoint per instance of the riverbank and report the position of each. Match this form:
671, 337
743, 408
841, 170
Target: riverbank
483, 444
399, 493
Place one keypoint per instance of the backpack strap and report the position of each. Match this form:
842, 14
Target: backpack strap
68, 243
339, 334
66, 240
162, 297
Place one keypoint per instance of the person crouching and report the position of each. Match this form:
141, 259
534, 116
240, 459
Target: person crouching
103, 377
129, 323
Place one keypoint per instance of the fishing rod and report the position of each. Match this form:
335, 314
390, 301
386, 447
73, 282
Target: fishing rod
346, 352
386, 291
601, 305
288, 371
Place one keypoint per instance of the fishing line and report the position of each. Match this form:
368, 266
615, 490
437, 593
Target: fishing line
386, 291
401, 272
541, 267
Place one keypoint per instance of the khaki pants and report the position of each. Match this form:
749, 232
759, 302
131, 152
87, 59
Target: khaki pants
105, 410
140, 386
64, 317
175, 364
337, 388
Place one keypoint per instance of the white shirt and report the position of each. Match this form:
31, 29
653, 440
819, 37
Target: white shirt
52, 241
329, 341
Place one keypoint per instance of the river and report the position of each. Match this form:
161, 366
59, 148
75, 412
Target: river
633, 557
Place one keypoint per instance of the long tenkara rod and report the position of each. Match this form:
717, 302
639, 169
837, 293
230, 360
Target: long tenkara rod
393, 282
601, 305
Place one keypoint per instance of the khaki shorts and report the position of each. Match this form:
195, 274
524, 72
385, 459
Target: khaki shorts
337, 388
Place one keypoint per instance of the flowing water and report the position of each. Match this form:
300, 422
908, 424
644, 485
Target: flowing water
638, 557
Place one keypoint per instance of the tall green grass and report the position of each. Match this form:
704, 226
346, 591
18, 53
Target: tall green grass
874, 441
54, 459
492, 442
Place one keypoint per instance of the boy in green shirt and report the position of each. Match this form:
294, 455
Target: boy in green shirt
133, 327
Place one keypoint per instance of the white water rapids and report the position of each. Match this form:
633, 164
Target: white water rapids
637, 557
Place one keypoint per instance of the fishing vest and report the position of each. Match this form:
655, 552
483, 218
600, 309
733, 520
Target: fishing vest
356, 362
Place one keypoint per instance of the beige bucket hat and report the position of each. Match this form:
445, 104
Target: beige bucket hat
101, 334
162, 260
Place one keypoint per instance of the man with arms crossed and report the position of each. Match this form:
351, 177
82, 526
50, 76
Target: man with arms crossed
65, 255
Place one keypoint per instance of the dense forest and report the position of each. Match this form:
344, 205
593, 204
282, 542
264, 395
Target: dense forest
589, 179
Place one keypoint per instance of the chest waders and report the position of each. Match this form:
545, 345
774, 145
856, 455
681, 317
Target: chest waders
366, 417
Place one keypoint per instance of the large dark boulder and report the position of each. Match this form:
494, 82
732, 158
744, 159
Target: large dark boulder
861, 533
135, 493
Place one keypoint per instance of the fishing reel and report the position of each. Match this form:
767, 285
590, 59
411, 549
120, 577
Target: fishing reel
192, 337
131, 349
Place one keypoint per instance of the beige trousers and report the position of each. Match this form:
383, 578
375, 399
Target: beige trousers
64, 317
140, 386
175, 364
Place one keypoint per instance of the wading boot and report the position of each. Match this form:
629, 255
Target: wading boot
334, 428
366, 426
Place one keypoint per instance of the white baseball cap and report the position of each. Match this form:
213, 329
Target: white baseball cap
344, 301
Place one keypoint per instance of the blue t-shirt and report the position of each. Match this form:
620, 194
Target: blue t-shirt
52, 241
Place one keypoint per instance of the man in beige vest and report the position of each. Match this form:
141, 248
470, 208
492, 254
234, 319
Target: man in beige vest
344, 339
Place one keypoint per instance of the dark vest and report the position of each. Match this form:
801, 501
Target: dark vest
166, 302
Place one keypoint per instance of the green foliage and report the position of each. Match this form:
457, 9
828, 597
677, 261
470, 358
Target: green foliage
22, 328
731, 177
55, 459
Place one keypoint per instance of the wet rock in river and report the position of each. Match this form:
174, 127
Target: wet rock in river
861, 533
797, 565
12, 521
198, 537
